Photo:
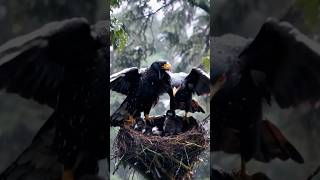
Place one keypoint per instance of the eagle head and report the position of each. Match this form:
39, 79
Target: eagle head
161, 67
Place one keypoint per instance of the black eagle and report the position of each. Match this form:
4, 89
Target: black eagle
62, 65
185, 85
281, 65
172, 125
142, 88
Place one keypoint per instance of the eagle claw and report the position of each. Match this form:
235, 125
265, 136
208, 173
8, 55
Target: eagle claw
129, 122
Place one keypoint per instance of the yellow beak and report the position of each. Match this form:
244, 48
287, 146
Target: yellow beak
166, 66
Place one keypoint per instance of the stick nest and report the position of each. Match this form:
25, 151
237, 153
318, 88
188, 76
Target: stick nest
161, 157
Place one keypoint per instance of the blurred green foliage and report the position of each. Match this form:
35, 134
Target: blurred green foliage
178, 32
119, 37
114, 3
206, 63
311, 12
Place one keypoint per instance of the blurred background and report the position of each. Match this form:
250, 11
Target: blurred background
301, 124
20, 119
145, 31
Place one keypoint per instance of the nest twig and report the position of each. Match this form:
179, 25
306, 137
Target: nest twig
161, 157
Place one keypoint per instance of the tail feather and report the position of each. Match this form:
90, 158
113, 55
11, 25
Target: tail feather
195, 107
273, 144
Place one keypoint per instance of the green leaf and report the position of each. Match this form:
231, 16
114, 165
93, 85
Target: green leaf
119, 36
206, 62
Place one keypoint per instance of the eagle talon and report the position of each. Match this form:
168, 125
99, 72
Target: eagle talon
129, 122
242, 173
186, 118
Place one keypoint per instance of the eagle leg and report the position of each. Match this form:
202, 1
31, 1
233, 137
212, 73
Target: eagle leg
129, 122
243, 168
148, 118
242, 173
186, 117
67, 174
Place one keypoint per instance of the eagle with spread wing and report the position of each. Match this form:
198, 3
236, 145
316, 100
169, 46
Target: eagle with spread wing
62, 65
185, 85
281, 65
142, 88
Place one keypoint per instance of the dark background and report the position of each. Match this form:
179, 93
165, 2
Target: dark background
20, 119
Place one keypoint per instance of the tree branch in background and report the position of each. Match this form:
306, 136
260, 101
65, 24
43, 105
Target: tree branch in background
155, 12
202, 5
314, 173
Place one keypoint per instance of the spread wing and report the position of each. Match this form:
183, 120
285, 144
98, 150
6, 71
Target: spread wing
123, 81
39, 160
200, 81
289, 61
34, 65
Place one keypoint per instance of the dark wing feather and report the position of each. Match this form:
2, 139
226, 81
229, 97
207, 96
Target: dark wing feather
124, 80
34, 65
200, 81
195, 107
274, 144
289, 60
39, 160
